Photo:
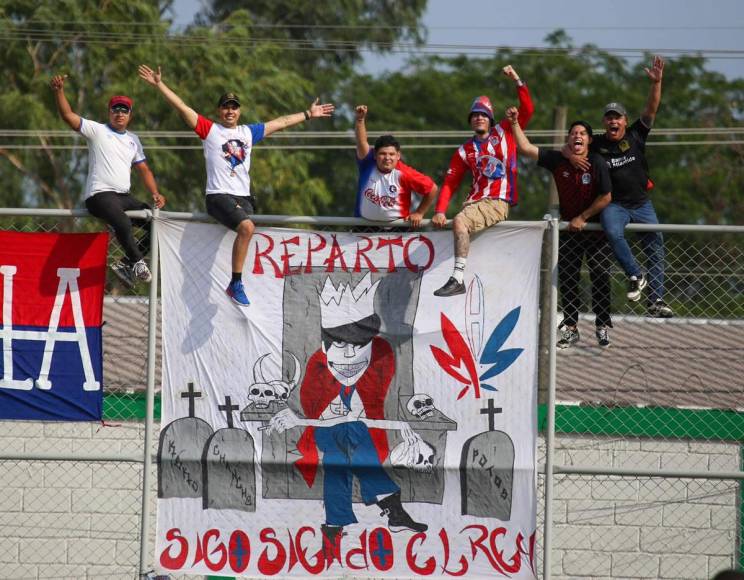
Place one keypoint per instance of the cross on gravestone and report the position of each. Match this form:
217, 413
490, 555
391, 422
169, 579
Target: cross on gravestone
487, 471
228, 407
191, 395
491, 411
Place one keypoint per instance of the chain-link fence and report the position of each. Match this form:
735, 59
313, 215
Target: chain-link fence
72, 492
642, 478
649, 427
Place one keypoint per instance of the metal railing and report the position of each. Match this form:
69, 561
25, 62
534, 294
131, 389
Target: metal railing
640, 472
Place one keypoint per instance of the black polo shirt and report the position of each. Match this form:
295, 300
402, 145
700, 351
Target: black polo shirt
627, 163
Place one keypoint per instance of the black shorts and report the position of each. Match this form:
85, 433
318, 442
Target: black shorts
229, 209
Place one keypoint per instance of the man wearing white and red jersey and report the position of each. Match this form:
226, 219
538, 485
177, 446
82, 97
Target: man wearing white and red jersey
491, 158
385, 182
227, 151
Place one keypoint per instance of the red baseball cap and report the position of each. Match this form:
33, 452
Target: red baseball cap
121, 100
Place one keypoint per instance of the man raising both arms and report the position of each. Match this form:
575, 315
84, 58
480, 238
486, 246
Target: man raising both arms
112, 151
227, 151
491, 157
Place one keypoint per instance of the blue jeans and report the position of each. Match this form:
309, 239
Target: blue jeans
348, 450
614, 219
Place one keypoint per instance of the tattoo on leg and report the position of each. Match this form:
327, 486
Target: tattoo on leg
462, 244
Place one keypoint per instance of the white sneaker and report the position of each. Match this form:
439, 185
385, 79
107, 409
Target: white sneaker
141, 271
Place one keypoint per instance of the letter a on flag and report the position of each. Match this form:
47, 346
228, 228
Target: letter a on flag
51, 289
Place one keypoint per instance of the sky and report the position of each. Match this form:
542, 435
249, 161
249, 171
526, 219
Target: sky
663, 26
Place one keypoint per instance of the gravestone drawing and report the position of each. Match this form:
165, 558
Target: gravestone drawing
180, 450
229, 468
487, 471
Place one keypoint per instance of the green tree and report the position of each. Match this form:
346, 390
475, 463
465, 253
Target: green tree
326, 38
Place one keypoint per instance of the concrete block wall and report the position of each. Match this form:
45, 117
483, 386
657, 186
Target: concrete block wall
81, 519
61, 519
639, 527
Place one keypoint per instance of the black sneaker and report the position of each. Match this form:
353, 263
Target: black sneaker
635, 286
451, 288
603, 336
659, 309
569, 336
124, 272
398, 518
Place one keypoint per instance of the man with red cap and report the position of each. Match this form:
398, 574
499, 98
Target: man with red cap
112, 152
491, 157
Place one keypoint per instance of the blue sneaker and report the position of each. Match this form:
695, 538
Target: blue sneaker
235, 291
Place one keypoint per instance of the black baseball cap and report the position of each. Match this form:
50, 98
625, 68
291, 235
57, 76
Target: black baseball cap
228, 98
615, 108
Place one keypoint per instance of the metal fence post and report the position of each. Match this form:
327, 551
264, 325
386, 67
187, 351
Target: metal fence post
550, 425
150, 401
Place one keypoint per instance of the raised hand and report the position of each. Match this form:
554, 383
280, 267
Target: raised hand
509, 71
318, 110
657, 69
150, 76
512, 113
361, 112
58, 82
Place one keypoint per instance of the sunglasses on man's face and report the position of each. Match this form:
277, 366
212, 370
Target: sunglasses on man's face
120, 109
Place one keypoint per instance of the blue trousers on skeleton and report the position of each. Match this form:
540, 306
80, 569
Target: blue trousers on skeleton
348, 450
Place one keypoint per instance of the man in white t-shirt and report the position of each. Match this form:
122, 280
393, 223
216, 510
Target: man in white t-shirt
227, 151
112, 151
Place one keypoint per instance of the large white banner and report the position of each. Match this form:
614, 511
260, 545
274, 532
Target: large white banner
348, 423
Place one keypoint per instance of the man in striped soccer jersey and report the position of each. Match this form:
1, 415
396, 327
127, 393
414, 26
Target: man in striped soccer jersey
227, 151
491, 157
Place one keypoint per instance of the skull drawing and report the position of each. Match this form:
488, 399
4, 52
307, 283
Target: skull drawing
421, 406
263, 392
260, 395
418, 456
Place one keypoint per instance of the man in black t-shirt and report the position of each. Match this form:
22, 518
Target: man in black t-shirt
582, 195
624, 149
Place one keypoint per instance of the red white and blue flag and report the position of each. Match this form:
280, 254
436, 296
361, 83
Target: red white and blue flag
51, 288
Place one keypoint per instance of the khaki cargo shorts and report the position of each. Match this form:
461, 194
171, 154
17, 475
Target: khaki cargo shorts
483, 213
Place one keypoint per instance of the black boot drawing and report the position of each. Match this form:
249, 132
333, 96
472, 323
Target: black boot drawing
398, 518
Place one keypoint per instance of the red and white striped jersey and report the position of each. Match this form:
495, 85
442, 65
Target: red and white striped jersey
491, 161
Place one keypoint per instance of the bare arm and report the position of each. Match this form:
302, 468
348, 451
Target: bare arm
315, 110
426, 202
360, 132
63, 106
156, 80
577, 224
655, 73
523, 143
148, 179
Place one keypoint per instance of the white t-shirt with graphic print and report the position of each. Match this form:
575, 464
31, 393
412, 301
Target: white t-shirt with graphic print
228, 155
110, 157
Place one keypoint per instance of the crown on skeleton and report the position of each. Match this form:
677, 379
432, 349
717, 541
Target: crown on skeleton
344, 305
